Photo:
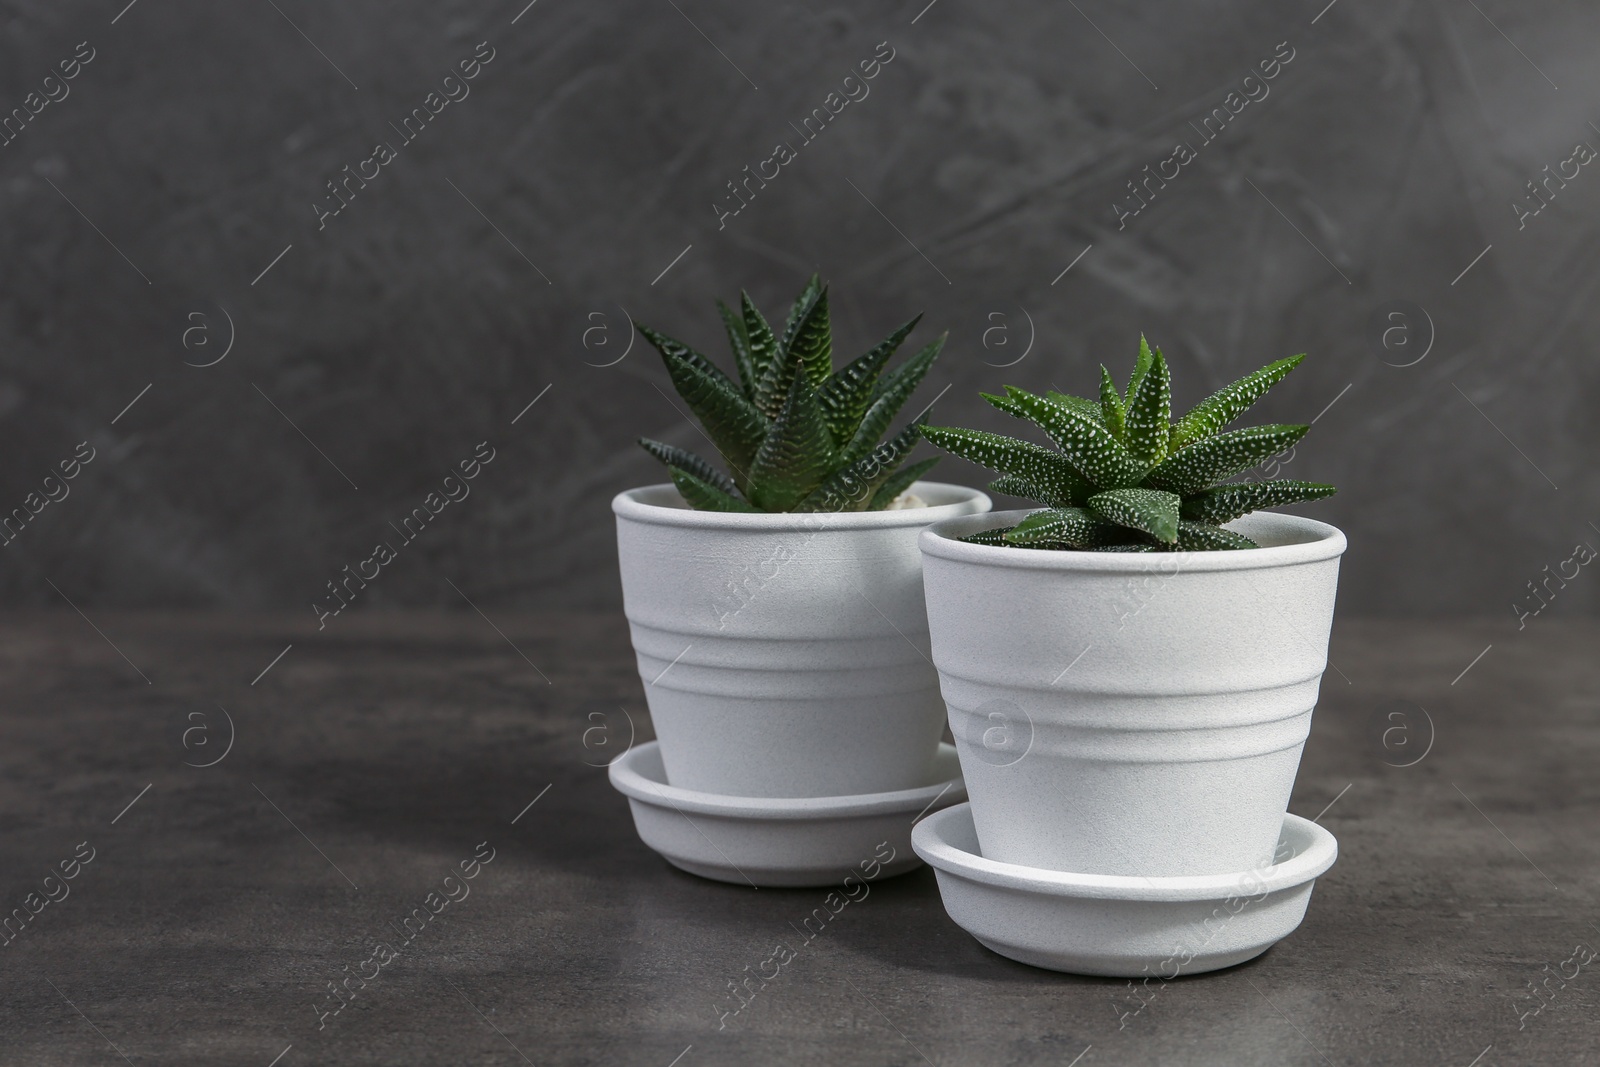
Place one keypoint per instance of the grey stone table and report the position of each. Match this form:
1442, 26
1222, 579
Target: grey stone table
210, 907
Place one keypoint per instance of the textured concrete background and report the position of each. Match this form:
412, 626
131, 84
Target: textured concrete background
492, 260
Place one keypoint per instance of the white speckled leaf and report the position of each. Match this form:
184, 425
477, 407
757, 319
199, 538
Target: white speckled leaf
1204, 463
1083, 440
1228, 403
1112, 411
1046, 471
1150, 511
1148, 421
1075, 527
1228, 502
1203, 537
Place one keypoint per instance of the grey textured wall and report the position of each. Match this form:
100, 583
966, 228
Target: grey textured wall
459, 284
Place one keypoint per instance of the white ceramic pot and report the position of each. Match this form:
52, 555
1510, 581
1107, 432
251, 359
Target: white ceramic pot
1131, 714
785, 655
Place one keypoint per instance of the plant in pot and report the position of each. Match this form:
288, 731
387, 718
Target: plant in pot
776, 608
1130, 671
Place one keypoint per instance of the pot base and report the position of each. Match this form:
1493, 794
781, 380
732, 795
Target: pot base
780, 841
1116, 926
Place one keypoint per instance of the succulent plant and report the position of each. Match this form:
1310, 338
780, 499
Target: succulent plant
1125, 476
796, 434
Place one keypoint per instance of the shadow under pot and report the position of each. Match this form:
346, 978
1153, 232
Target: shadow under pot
1131, 713
785, 655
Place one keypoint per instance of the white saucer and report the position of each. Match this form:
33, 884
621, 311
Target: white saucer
1122, 927
780, 841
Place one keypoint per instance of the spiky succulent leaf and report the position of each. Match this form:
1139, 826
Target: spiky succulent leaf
686, 461
672, 349
852, 487
739, 341
790, 424
1112, 411
1204, 463
772, 392
1150, 511
888, 401
1148, 422
899, 482
797, 453
1228, 502
847, 394
809, 338
808, 293
1011, 486
904, 378
703, 496
1141, 367
1204, 537
1006, 404
732, 422
1056, 482
1081, 404
763, 344
989, 537
1076, 527
1083, 440
1228, 403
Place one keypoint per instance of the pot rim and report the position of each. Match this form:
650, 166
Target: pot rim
632, 504
1316, 541
1318, 849
627, 779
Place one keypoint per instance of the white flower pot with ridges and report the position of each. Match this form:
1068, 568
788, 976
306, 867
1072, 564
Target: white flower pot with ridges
1126, 713
785, 655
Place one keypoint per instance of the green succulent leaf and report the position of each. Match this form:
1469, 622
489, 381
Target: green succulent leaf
1076, 527
672, 350
887, 402
1228, 502
1141, 367
1149, 511
1010, 486
1228, 403
1203, 537
703, 496
1083, 440
801, 304
852, 487
686, 461
795, 435
899, 482
989, 537
772, 392
739, 341
1206, 462
1057, 483
904, 378
809, 337
797, 453
1149, 413
1089, 409
1081, 404
1112, 411
848, 393
763, 345
734, 425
